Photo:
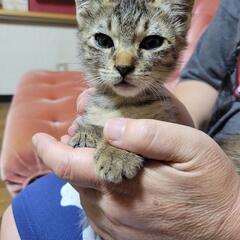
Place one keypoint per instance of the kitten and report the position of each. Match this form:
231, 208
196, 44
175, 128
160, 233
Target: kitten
128, 48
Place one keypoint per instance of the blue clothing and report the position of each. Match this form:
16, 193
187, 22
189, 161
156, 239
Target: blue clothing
50, 209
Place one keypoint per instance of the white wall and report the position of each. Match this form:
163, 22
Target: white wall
27, 47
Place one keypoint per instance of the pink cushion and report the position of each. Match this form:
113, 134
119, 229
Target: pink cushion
44, 102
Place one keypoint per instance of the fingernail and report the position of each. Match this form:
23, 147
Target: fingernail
115, 128
34, 140
73, 129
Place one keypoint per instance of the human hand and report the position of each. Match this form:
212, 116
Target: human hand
190, 191
82, 101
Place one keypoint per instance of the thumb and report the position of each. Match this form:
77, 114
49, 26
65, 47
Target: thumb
157, 140
74, 165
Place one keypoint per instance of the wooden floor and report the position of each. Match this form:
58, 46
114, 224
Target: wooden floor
4, 196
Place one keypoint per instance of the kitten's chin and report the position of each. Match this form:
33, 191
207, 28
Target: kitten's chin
126, 90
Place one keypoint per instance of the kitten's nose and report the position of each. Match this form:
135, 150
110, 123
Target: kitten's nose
124, 70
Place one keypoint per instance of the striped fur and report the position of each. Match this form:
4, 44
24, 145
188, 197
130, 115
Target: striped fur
140, 93
127, 22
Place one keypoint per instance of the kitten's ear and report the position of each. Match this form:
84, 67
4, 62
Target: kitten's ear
83, 6
85, 10
88, 8
180, 11
185, 6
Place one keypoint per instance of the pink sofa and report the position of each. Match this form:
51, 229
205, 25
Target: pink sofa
45, 102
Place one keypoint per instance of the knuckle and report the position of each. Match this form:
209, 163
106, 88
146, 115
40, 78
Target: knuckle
63, 170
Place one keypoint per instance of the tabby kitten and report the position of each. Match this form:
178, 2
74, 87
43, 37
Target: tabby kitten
128, 48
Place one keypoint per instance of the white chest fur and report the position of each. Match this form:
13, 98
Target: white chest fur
99, 116
158, 110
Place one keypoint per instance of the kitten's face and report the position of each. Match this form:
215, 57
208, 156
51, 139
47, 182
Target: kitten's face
131, 45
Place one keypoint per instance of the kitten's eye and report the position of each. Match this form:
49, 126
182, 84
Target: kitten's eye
104, 40
151, 42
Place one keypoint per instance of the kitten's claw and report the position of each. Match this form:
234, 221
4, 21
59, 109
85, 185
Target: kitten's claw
83, 139
113, 165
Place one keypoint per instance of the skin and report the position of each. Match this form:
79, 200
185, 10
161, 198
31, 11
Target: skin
8, 226
190, 189
183, 186
190, 93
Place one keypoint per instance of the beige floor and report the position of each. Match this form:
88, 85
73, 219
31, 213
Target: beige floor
4, 196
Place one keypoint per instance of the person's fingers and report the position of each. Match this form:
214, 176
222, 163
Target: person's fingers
74, 127
81, 106
74, 165
83, 99
157, 140
65, 139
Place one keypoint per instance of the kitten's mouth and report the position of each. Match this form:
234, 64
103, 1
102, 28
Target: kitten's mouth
123, 84
126, 89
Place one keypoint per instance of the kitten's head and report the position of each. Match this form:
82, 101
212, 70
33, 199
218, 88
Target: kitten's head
131, 46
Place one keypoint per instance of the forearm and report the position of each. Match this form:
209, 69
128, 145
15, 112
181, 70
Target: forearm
199, 98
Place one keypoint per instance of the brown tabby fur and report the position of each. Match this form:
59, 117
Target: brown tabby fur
142, 95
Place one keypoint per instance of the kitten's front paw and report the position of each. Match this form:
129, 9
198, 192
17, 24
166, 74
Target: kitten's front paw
82, 139
114, 164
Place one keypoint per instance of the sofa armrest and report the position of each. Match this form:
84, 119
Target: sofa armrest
44, 102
